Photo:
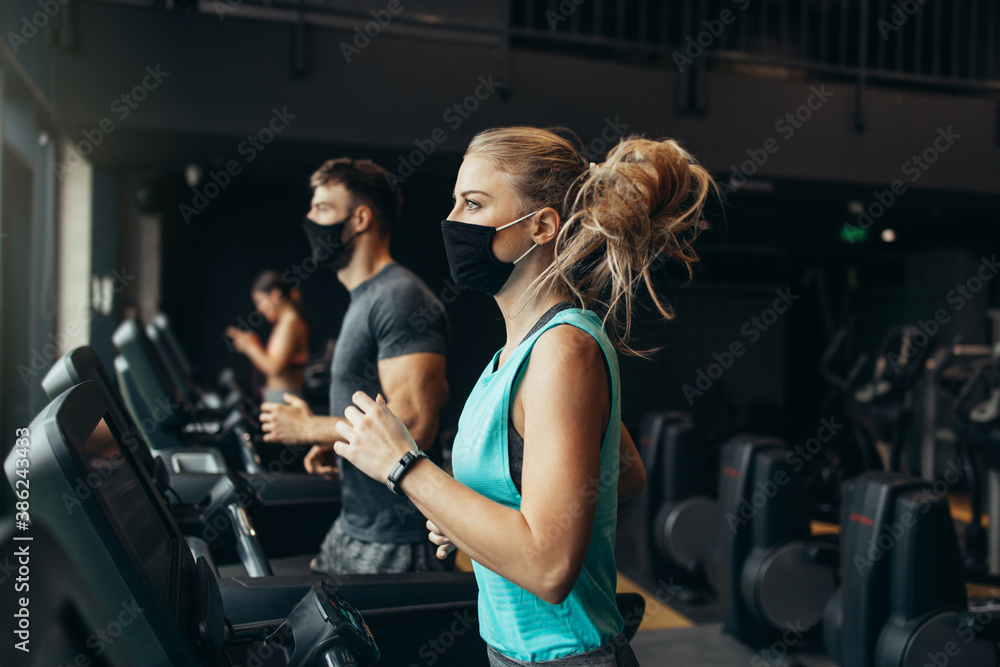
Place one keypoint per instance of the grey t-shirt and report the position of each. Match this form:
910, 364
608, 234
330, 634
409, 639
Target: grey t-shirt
392, 314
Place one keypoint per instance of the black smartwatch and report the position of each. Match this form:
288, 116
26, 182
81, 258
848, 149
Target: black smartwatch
401, 468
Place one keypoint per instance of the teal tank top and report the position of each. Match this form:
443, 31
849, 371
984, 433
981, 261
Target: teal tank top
512, 620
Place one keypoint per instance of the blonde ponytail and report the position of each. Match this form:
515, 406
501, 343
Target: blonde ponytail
620, 219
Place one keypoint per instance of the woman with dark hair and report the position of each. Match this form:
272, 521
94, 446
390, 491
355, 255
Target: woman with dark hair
541, 458
284, 359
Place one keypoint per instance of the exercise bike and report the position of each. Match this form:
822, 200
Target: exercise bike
977, 440
881, 407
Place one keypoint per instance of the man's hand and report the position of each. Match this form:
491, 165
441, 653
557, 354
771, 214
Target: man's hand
322, 460
288, 424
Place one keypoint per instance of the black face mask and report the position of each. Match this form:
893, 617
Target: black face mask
324, 240
470, 255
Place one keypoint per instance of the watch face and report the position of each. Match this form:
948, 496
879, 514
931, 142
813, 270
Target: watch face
404, 463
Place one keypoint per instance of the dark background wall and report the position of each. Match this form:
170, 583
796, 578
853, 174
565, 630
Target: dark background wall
757, 248
779, 232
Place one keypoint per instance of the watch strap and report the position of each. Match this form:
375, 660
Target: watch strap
401, 469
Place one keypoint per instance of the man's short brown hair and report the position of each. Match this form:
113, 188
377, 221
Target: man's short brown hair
368, 184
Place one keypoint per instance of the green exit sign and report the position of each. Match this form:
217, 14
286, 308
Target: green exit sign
853, 234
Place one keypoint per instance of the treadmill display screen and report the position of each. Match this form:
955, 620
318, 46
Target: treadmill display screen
354, 622
130, 510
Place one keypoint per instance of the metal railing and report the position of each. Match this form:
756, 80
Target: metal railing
928, 43
931, 42
477, 15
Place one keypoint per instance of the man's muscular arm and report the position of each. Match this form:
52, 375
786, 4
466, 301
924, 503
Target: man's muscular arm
415, 387
414, 384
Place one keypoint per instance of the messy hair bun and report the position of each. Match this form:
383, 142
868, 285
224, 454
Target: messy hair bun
620, 219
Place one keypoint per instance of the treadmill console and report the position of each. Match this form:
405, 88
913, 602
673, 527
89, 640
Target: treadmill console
336, 636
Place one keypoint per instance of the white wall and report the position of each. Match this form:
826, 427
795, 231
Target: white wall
75, 226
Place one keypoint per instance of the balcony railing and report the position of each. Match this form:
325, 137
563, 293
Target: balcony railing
935, 42
926, 43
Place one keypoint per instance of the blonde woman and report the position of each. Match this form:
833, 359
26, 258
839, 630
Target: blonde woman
541, 457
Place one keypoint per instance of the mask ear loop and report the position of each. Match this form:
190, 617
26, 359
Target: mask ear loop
514, 223
533, 246
347, 219
517, 221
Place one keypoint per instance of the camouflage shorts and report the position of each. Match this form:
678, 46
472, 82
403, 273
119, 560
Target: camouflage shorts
342, 554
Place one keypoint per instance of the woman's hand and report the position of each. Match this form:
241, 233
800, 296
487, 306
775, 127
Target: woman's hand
444, 544
375, 438
242, 339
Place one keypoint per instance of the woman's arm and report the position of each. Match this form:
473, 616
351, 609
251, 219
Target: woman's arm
631, 483
542, 546
280, 346
632, 475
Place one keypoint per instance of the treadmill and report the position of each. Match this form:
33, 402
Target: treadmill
130, 576
230, 392
219, 502
154, 399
